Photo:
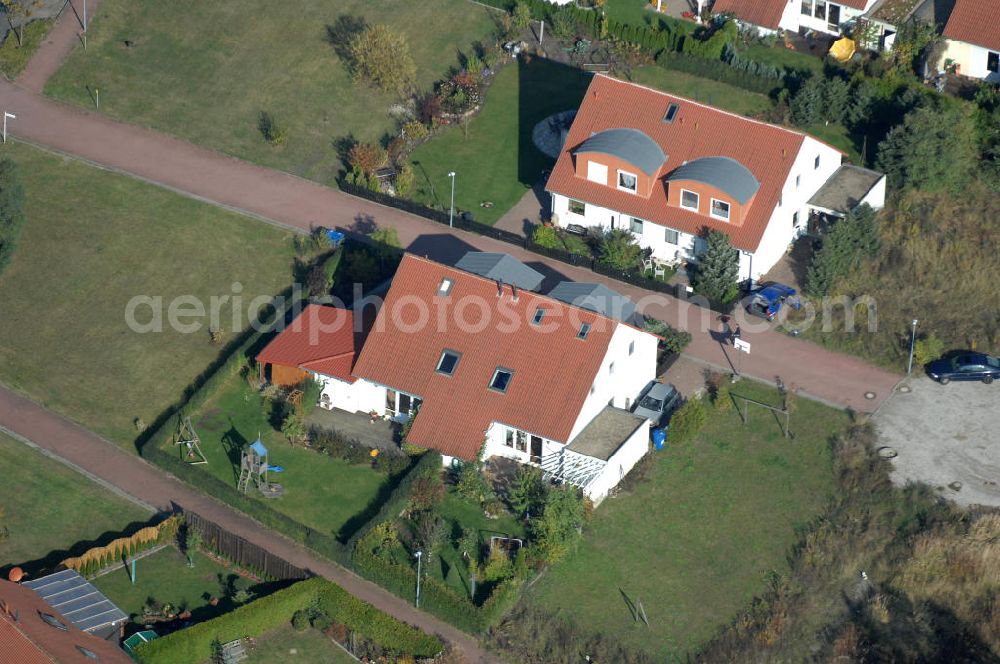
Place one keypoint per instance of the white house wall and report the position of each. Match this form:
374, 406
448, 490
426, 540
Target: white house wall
358, 397
653, 234
875, 198
620, 463
972, 59
781, 230
496, 437
631, 374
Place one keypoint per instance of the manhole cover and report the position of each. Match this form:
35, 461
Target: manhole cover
869, 395
905, 389
955, 486
887, 452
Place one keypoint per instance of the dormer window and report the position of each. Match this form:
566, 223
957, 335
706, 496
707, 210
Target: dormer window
539, 315
689, 200
445, 287
501, 379
671, 113
720, 209
448, 362
627, 181
597, 172
584, 331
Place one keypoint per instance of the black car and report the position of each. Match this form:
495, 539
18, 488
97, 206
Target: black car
966, 366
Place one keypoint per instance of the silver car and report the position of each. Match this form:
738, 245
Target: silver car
657, 403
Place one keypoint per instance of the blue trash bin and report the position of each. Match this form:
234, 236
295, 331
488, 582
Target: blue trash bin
335, 237
659, 438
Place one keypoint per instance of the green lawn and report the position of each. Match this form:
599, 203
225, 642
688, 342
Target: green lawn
714, 93
837, 136
779, 56
94, 240
497, 161
47, 508
14, 55
205, 70
166, 578
320, 491
285, 645
459, 513
699, 537
631, 12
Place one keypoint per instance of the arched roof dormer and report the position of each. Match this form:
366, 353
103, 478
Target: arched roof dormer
723, 173
629, 145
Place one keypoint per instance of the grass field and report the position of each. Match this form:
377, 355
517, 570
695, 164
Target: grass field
631, 12
93, 240
166, 578
779, 56
320, 491
14, 56
48, 508
496, 161
205, 70
714, 93
700, 536
287, 646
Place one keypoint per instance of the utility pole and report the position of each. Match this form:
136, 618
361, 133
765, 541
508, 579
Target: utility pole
5, 116
451, 211
541, 33
913, 339
418, 554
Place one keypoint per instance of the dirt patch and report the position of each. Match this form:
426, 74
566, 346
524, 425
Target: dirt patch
946, 436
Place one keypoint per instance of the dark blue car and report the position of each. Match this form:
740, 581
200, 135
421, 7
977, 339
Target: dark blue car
766, 301
965, 366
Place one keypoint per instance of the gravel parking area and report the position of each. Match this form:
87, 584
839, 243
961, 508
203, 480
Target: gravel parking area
947, 436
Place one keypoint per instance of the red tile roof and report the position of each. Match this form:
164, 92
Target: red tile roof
30, 640
320, 339
765, 13
975, 22
552, 369
697, 130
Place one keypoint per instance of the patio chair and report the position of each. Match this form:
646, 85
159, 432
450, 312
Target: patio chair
647, 264
659, 270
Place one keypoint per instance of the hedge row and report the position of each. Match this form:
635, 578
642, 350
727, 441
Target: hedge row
400, 496
194, 644
373, 624
719, 71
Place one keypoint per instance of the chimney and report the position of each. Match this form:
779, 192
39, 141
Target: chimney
513, 293
499, 288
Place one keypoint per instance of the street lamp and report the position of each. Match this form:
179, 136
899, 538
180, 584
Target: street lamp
5, 116
451, 212
418, 554
913, 338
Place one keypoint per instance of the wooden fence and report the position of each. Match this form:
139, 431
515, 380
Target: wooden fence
240, 551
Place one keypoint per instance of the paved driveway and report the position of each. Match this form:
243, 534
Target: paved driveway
946, 434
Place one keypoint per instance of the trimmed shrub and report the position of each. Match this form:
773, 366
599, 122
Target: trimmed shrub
687, 421
300, 620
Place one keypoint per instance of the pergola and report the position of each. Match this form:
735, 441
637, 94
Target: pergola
570, 467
